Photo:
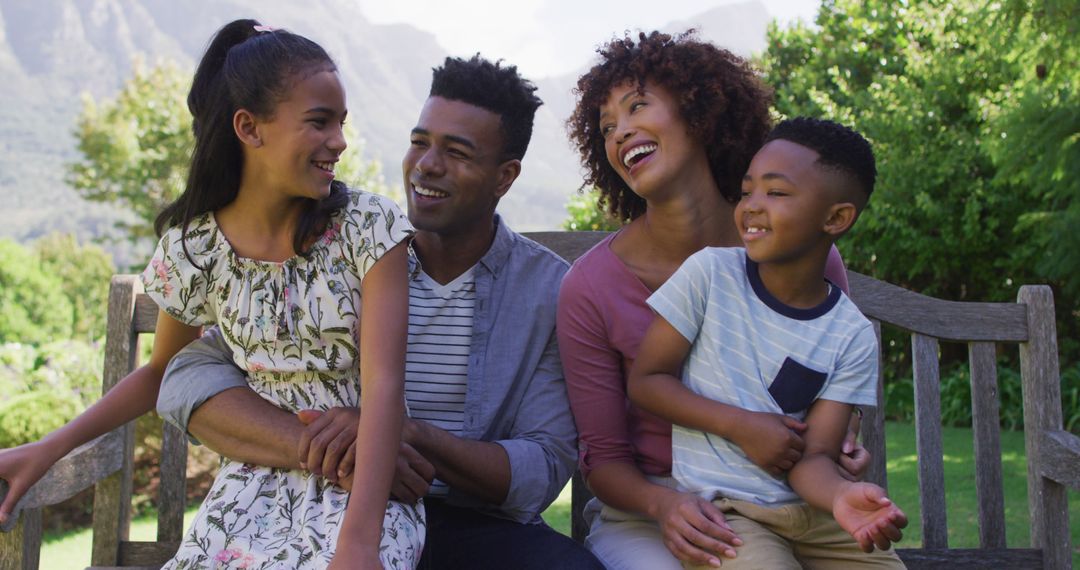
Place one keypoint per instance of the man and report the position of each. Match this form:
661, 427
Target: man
490, 441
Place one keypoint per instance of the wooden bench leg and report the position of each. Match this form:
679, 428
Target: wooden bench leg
20, 549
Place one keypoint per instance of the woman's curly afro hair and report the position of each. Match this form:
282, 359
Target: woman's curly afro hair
724, 104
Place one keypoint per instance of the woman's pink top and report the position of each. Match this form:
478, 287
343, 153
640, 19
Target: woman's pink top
602, 318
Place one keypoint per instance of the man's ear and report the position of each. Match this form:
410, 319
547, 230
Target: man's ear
841, 216
508, 173
247, 128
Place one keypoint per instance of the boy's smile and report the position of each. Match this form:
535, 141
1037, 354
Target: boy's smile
786, 201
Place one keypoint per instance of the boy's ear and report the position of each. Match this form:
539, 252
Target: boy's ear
247, 128
840, 219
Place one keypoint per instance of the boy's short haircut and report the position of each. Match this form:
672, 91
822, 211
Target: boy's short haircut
495, 87
839, 148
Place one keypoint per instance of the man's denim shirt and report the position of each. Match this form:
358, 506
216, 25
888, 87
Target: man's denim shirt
516, 394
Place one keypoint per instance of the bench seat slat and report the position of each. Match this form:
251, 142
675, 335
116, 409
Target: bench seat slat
953, 558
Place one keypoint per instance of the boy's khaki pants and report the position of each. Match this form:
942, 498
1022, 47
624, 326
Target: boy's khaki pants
794, 536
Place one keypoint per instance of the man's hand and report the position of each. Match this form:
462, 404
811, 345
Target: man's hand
695, 531
771, 441
329, 444
413, 476
869, 516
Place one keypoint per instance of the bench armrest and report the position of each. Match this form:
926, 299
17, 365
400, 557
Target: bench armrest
84, 466
1060, 461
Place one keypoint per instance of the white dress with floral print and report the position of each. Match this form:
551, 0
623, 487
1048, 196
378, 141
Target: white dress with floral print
294, 327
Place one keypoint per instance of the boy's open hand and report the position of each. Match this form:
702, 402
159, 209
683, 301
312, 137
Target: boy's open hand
772, 441
869, 516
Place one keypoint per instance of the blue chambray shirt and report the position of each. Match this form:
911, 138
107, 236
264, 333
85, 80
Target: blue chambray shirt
515, 395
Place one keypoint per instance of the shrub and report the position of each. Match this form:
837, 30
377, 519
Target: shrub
29, 417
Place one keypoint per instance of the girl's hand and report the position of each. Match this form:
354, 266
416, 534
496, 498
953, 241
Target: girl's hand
353, 557
695, 531
869, 516
772, 441
21, 467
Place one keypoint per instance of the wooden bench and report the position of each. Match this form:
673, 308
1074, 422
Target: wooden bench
1053, 455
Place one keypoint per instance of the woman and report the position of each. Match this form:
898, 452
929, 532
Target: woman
666, 127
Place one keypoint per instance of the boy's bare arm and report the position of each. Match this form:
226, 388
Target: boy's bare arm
771, 441
862, 509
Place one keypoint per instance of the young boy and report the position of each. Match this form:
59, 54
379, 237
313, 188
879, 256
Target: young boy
767, 343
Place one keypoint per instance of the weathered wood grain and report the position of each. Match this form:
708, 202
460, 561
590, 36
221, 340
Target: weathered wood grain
873, 424
152, 554
1040, 375
986, 425
20, 546
945, 320
569, 245
970, 558
924, 351
145, 314
86, 465
1060, 459
172, 493
112, 496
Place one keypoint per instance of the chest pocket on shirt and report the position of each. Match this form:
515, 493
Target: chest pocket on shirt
795, 386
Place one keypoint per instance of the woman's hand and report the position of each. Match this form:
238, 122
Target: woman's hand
772, 441
854, 458
21, 467
694, 530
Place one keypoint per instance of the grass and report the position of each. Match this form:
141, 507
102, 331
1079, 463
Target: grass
72, 550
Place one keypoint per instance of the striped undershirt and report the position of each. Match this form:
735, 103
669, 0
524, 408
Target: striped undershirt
437, 360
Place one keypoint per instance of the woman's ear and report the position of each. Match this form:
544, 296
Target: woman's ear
840, 219
247, 128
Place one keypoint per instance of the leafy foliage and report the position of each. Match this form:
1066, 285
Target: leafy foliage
33, 307
84, 271
586, 213
974, 115
136, 146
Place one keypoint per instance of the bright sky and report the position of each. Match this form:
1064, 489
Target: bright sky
549, 37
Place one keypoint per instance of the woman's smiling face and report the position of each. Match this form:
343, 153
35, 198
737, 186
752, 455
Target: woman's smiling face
646, 140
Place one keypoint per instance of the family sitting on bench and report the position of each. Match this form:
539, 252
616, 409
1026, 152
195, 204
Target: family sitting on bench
480, 355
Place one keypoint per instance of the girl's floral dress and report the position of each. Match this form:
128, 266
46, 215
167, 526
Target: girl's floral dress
294, 327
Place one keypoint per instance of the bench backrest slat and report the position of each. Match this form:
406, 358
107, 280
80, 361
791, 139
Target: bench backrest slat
872, 430
986, 426
1042, 414
925, 367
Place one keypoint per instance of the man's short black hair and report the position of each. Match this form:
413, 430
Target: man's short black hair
494, 87
838, 147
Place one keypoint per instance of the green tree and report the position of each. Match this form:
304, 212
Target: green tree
136, 147
33, 308
84, 271
975, 138
586, 214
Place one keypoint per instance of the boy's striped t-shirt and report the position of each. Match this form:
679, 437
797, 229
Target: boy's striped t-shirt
752, 351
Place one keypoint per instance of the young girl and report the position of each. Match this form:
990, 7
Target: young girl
267, 245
